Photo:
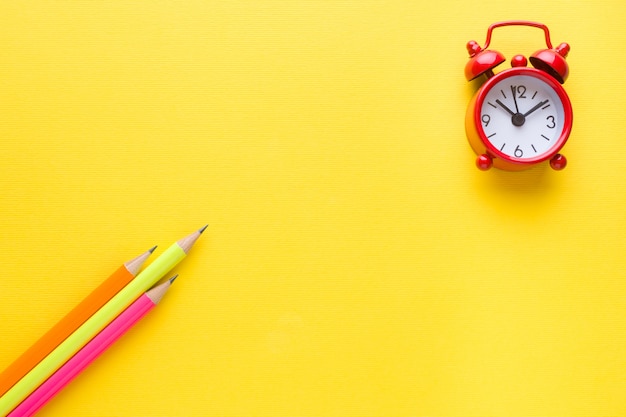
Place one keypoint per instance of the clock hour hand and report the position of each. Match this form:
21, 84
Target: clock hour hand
518, 118
501, 104
535, 108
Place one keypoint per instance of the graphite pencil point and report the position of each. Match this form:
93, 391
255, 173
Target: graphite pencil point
203, 229
152, 250
173, 278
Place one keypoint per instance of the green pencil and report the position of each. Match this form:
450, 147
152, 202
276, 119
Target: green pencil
142, 282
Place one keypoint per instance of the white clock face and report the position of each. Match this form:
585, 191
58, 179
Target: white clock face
523, 117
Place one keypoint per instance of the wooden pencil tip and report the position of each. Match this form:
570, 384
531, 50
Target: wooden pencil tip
173, 278
152, 250
203, 229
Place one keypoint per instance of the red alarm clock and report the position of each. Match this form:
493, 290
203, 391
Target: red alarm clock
521, 116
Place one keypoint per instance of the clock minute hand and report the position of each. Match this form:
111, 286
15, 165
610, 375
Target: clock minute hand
501, 104
535, 108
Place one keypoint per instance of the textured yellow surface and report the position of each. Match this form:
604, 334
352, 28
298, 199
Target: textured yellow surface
356, 262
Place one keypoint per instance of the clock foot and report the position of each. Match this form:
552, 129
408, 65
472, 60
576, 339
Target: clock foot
558, 162
484, 162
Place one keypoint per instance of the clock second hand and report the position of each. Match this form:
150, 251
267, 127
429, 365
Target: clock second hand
514, 98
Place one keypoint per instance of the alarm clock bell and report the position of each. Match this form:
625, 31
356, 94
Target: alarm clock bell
550, 60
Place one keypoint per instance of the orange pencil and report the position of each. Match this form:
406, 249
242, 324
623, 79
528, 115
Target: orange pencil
74, 319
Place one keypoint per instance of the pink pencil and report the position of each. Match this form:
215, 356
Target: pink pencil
101, 342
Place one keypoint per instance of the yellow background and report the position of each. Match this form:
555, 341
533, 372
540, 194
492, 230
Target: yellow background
357, 263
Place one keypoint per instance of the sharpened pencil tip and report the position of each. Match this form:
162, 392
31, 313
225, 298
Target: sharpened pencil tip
173, 278
203, 229
152, 250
